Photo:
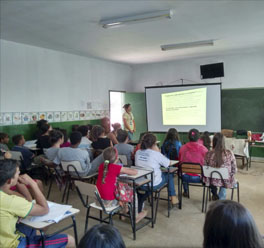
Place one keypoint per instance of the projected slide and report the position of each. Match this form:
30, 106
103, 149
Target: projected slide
186, 107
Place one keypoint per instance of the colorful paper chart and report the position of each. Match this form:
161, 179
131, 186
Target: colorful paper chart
82, 115
7, 118
87, 115
25, 118
34, 117
70, 116
17, 118
64, 116
43, 116
76, 115
50, 116
57, 116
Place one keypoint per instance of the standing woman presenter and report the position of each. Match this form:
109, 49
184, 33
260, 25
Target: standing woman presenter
129, 122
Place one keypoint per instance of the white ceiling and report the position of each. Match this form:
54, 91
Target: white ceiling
72, 26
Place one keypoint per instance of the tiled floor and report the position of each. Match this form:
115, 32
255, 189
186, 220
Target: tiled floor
184, 227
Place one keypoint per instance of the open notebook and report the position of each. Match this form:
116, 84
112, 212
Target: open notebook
56, 213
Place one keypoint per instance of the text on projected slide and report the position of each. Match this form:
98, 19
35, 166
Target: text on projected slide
186, 107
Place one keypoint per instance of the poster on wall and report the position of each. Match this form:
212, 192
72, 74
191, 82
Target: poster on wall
56, 117
87, 115
33, 117
82, 115
17, 118
25, 117
70, 116
42, 116
76, 115
7, 118
64, 116
50, 116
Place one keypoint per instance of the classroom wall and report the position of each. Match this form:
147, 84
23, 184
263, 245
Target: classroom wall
39, 79
242, 70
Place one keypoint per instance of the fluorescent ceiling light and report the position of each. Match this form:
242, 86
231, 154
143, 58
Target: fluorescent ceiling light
111, 23
187, 45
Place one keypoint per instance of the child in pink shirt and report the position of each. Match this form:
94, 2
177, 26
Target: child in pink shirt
192, 152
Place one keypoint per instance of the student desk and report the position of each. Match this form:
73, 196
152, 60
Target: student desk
43, 225
137, 181
252, 145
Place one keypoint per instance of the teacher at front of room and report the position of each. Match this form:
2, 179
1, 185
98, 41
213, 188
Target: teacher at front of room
129, 122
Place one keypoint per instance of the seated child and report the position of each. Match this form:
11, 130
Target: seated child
113, 135
14, 207
85, 142
56, 139
107, 178
27, 155
66, 142
171, 145
102, 235
122, 147
100, 141
43, 141
73, 153
39, 125
4, 139
229, 224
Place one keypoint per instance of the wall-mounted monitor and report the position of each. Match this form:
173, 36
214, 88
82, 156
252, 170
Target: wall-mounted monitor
212, 70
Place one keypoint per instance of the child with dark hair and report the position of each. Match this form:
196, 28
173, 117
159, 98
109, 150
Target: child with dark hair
123, 147
108, 172
74, 153
4, 139
14, 207
102, 236
149, 156
27, 155
56, 139
85, 142
39, 125
228, 224
171, 145
205, 140
75, 128
192, 152
100, 141
43, 141
66, 142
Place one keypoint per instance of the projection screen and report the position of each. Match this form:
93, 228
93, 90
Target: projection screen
184, 107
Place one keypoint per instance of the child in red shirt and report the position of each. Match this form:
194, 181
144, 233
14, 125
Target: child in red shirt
107, 179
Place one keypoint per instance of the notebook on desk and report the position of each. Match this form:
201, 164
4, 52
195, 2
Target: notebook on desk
56, 213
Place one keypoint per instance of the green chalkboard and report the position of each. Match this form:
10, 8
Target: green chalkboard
243, 109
